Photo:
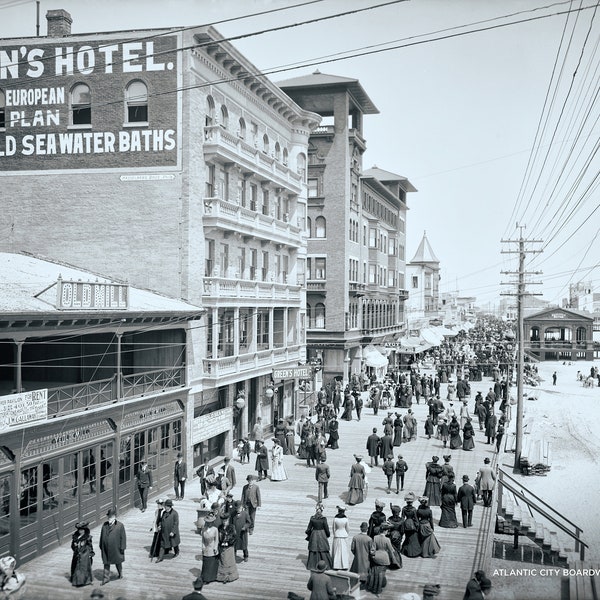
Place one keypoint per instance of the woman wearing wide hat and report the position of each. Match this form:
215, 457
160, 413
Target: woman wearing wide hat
411, 546
83, 552
427, 539
356, 486
317, 534
210, 549
320, 584
433, 481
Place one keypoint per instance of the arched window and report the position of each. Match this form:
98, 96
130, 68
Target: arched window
2, 110
210, 112
224, 117
266, 144
319, 316
136, 101
285, 156
81, 105
320, 228
309, 316
277, 151
242, 129
301, 165
309, 226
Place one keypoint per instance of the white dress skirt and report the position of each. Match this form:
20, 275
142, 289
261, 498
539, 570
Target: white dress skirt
339, 547
277, 469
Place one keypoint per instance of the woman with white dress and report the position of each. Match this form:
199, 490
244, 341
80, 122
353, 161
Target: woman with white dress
339, 549
277, 469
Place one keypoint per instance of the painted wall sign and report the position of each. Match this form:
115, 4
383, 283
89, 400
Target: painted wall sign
305, 372
47, 444
89, 104
23, 408
150, 414
212, 424
91, 295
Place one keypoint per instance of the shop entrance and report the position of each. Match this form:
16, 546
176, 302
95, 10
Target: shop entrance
60, 491
157, 445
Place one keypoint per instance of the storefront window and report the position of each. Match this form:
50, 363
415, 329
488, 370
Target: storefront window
139, 450
125, 460
4, 513
106, 452
70, 481
28, 500
50, 484
89, 472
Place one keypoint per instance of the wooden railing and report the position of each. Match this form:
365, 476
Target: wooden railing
74, 398
536, 504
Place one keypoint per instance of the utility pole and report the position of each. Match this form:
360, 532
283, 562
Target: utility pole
520, 294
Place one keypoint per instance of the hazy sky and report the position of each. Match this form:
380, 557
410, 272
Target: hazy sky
493, 127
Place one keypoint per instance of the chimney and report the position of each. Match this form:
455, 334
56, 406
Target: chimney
59, 23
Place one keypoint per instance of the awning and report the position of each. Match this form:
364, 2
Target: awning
374, 358
431, 336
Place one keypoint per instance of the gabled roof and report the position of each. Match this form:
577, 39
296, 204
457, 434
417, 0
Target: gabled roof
323, 80
388, 176
27, 285
424, 253
553, 310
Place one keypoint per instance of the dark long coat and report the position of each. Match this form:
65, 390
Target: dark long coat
169, 524
373, 445
113, 542
242, 522
262, 459
386, 446
466, 496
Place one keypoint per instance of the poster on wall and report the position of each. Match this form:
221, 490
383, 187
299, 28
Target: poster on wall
89, 103
23, 408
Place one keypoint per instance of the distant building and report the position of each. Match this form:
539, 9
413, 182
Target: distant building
357, 233
423, 277
559, 334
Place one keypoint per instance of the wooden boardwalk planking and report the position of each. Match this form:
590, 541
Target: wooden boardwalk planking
278, 548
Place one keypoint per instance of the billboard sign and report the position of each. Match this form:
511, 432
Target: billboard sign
23, 408
89, 104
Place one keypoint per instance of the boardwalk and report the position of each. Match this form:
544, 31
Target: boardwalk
278, 549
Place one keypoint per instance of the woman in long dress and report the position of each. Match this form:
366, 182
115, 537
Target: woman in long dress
83, 552
449, 499
317, 533
339, 548
433, 478
447, 469
398, 425
334, 434
454, 432
396, 531
468, 435
155, 546
277, 469
210, 549
227, 570
429, 543
411, 546
357, 482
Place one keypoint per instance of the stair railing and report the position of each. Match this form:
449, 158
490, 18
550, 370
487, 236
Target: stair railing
511, 484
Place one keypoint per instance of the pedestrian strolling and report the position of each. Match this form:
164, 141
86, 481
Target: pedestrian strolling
322, 475
169, 531
357, 484
113, 543
317, 534
466, 497
83, 553
143, 479
339, 547
400, 468
251, 500
179, 477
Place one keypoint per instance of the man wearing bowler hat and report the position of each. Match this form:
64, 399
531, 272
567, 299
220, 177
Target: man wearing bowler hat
466, 497
251, 500
179, 477
112, 544
196, 595
169, 530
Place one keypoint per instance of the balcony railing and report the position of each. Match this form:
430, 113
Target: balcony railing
246, 222
230, 147
221, 287
233, 365
74, 398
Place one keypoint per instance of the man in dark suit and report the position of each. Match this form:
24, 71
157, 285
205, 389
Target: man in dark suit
169, 531
262, 460
322, 475
373, 446
203, 472
251, 499
466, 497
112, 544
179, 477
144, 483
229, 472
